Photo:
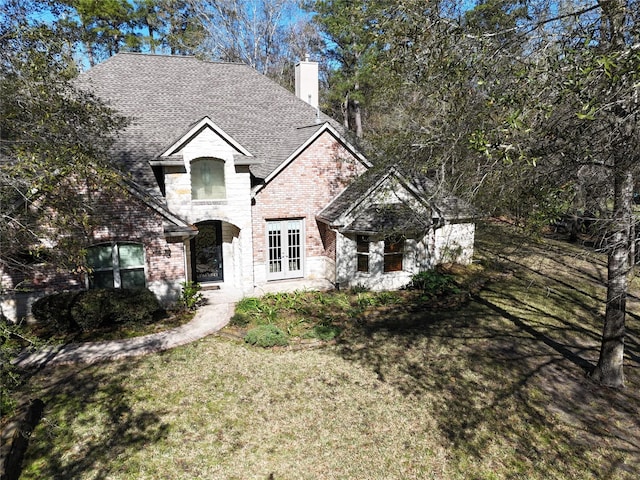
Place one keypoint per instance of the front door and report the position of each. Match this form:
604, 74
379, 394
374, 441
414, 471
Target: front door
206, 252
285, 247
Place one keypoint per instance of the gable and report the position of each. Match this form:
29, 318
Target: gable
379, 201
206, 138
338, 151
164, 95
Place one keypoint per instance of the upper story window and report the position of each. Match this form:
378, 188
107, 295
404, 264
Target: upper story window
207, 179
393, 253
117, 265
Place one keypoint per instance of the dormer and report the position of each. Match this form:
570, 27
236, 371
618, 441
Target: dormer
203, 166
206, 138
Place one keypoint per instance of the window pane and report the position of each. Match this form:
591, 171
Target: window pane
100, 257
207, 179
275, 247
393, 262
295, 256
102, 279
362, 244
132, 278
391, 246
131, 255
363, 263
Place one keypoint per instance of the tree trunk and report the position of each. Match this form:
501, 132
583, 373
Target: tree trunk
609, 370
357, 115
345, 112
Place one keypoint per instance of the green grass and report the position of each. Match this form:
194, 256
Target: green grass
491, 389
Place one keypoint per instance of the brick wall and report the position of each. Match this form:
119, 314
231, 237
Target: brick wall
302, 190
120, 218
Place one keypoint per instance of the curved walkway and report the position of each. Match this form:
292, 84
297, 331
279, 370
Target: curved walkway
208, 319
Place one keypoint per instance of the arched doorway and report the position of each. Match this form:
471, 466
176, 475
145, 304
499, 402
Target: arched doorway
206, 252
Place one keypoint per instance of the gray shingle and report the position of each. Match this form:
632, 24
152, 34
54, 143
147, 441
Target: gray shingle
163, 95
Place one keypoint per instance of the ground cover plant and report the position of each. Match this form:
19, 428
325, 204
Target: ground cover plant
493, 388
305, 316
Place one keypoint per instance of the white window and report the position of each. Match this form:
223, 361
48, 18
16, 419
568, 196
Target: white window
118, 265
207, 179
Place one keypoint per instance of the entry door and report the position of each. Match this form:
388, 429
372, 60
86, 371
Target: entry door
285, 247
206, 252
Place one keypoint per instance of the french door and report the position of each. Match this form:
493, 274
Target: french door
285, 249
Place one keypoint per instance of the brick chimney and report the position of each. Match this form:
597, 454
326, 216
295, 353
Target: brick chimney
307, 81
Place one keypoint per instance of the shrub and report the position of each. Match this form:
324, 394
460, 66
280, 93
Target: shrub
90, 309
324, 332
56, 310
190, 297
240, 320
266, 336
433, 283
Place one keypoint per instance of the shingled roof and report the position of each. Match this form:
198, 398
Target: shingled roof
398, 217
166, 95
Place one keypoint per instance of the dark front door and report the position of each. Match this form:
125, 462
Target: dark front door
206, 252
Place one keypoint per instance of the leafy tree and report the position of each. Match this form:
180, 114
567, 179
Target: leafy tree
577, 136
171, 25
53, 138
351, 29
54, 141
103, 27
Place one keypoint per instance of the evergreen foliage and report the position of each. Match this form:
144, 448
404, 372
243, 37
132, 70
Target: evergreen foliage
91, 309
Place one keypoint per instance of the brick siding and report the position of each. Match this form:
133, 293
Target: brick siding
303, 189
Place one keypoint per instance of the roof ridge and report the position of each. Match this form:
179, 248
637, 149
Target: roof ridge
180, 57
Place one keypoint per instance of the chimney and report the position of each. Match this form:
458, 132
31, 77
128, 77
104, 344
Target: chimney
307, 81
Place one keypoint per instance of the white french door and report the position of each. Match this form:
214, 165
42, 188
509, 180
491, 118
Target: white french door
285, 249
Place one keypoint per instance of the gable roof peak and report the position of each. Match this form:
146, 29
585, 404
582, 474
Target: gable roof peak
168, 94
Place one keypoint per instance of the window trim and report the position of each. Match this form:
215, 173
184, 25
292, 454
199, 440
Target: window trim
115, 267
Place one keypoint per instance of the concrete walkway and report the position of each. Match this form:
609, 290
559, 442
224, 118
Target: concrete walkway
208, 319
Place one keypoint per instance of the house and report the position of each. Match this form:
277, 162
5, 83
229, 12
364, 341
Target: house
236, 183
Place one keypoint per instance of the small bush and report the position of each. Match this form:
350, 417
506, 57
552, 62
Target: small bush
240, 320
56, 310
433, 283
91, 309
324, 332
266, 336
190, 297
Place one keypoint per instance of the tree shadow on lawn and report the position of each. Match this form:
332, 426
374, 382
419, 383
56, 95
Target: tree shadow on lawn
505, 376
97, 402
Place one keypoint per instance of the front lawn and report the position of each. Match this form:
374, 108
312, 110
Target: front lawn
493, 388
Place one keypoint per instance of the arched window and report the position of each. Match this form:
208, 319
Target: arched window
116, 265
207, 179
